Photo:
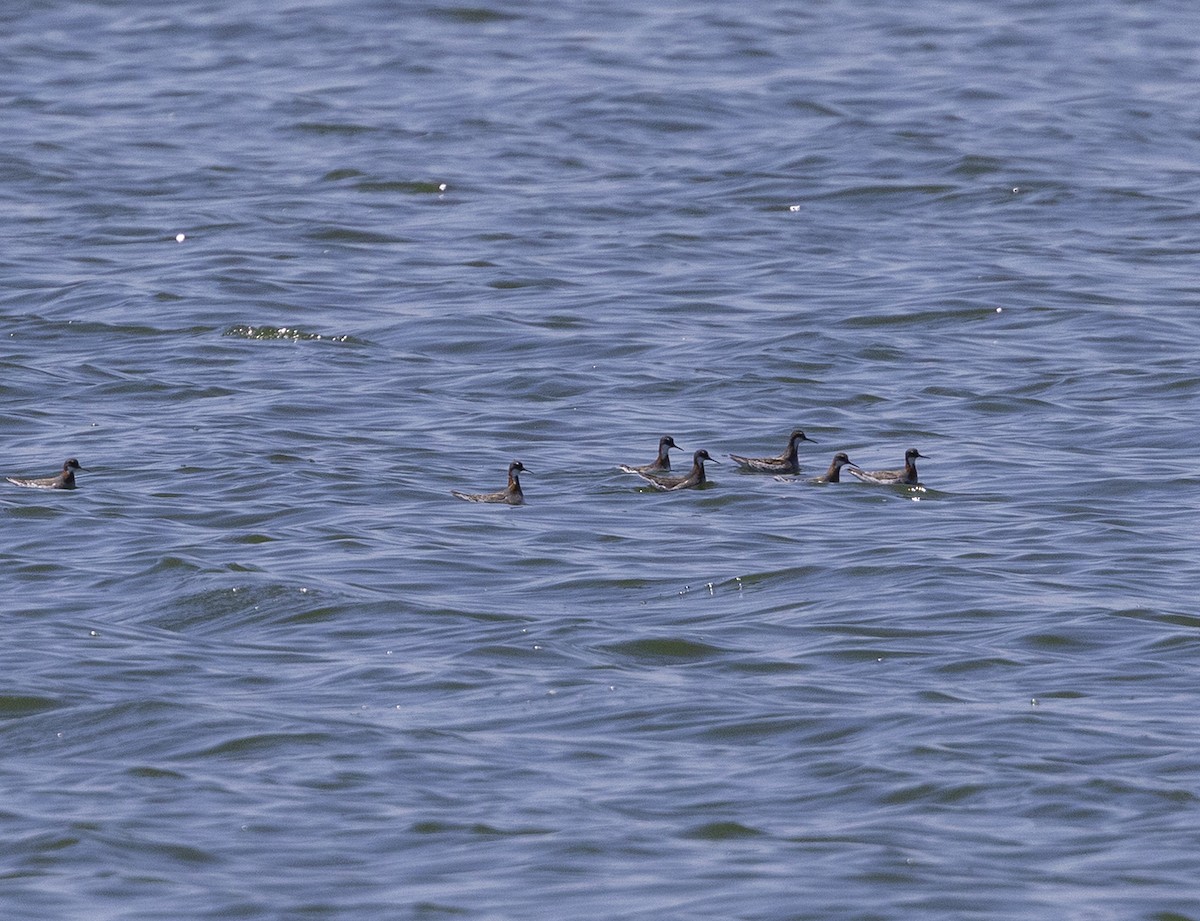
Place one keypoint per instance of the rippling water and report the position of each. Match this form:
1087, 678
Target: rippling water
282, 278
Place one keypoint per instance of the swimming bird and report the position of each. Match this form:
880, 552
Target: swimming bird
786, 462
64, 480
694, 478
834, 473
905, 477
660, 464
511, 494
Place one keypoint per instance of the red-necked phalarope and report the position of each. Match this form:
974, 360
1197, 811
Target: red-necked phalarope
660, 464
511, 494
904, 477
834, 473
64, 480
694, 478
787, 462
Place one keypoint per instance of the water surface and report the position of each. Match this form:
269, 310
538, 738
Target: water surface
282, 278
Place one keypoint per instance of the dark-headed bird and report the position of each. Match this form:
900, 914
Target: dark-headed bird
660, 464
907, 476
787, 462
63, 480
694, 478
834, 473
510, 494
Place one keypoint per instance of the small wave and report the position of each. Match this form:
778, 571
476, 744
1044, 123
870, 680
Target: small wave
288, 333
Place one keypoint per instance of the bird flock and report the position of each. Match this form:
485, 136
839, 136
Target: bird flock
658, 472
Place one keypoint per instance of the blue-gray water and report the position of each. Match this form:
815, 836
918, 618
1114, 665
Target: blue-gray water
261, 664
